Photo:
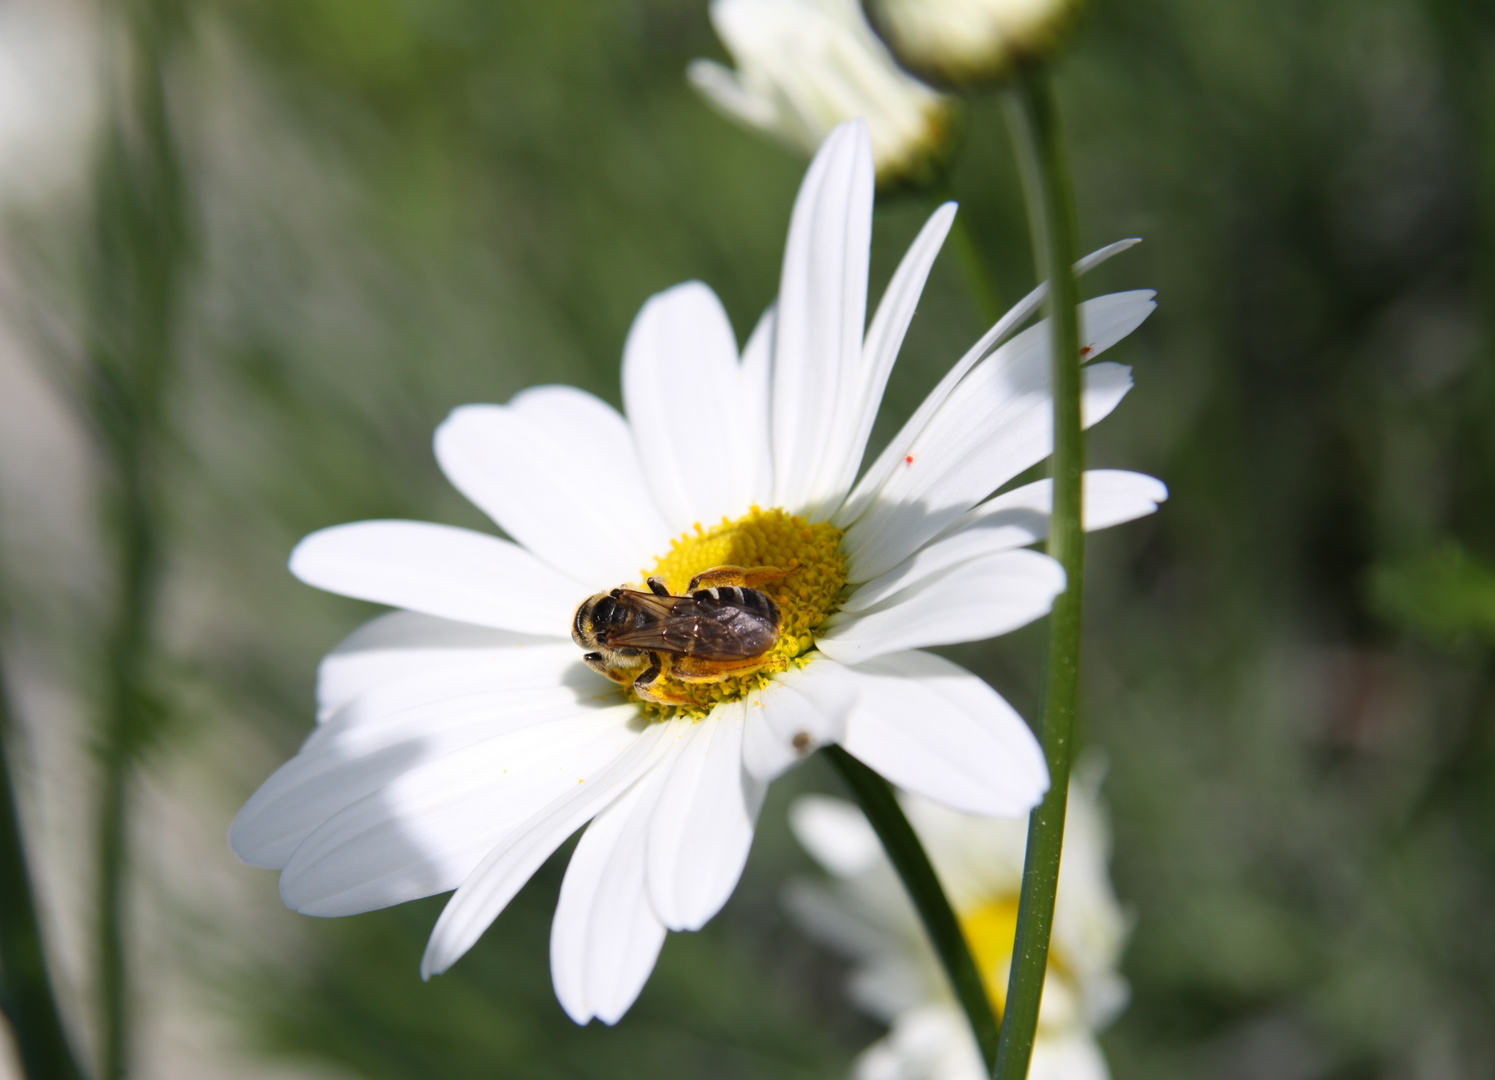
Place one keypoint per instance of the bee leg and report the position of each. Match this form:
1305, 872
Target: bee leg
658, 587
598, 663
644, 686
694, 669
747, 577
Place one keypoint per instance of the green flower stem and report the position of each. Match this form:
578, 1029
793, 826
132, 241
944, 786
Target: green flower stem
25, 984
876, 798
1034, 123
138, 256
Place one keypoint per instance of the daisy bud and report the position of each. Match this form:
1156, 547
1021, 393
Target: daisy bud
805, 66
962, 42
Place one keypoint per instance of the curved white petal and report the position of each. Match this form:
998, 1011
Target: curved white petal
605, 936
987, 596
406, 644
424, 830
1015, 519
847, 440
802, 710
702, 827
753, 409
998, 422
448, 698
822, 309
836, 834
488, 889
935, 729
556, 468
384, 734
439, 570
987, 428
931, 1040
680, 363
720, 86
897, 449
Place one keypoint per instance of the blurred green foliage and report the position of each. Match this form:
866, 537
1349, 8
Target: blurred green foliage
1446, 593
405, 205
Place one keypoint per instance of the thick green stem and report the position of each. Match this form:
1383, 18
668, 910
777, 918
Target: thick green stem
909, 859
1034, 122
25, 983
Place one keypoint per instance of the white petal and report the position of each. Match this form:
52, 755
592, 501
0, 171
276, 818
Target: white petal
753, 407
801, 710
439, 570
387, 733
894, 453
723, 89
938, 731
994, 425
978, 599
835, 833
1015, 519
822, 309
702, 826
557, 469
424, 831
847, 441
680, 359
503, 872
930, 1039
1069, 1055
605, 936
405, 644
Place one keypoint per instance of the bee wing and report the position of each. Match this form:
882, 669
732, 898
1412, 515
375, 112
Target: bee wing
660, 607
681, 625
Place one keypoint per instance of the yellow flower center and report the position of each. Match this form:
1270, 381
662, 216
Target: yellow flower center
806, 596
990, 929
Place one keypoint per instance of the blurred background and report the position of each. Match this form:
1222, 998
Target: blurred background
251, 253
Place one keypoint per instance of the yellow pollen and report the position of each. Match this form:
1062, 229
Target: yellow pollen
990, 929
806, 597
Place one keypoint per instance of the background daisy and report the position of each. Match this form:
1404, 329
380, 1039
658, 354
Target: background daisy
865, 914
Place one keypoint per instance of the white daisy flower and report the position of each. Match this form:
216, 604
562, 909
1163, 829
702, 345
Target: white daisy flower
804, 66
463, 739
866, 914
966, 41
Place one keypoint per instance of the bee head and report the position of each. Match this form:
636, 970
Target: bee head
595, 617
584, 626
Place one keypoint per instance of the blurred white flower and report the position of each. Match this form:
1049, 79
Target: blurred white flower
462, 740
804, 66
966, 41
866, 914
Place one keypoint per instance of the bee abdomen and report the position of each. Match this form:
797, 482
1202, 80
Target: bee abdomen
750, 600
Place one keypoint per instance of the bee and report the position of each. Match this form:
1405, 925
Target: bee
722, 626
